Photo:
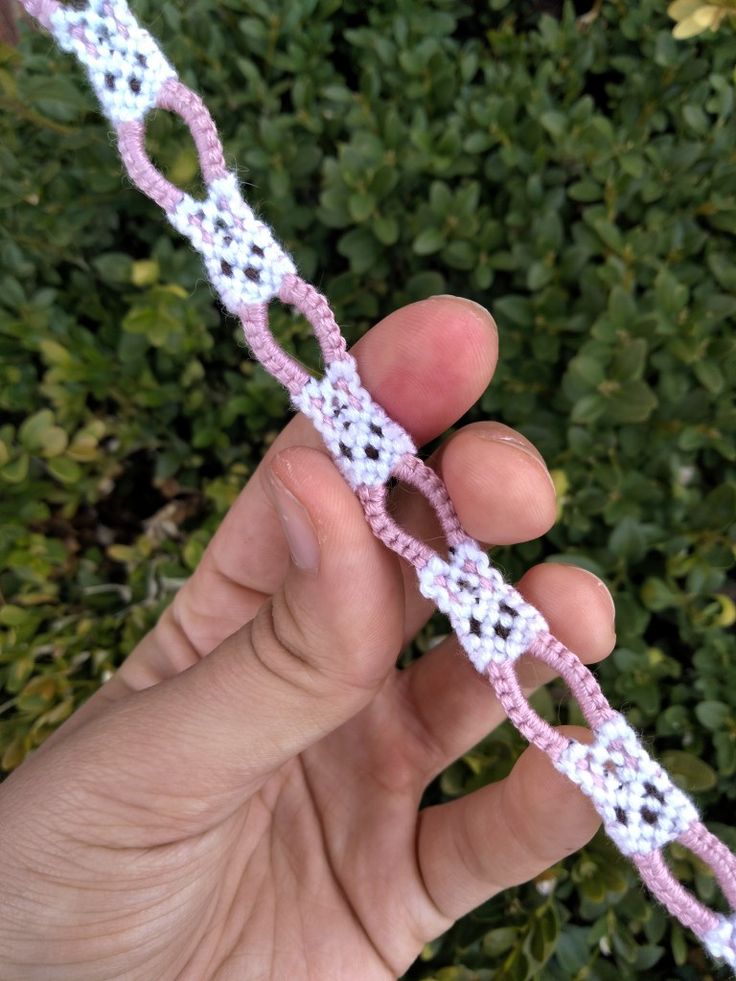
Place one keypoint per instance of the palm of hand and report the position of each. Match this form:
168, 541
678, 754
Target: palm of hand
254, 813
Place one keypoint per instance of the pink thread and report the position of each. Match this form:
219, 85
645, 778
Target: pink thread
260, 340
579, 679
318, 312
388, 531
532, 726
715, 854
41, 10
423, 478
682, 904
176, 97
131, 142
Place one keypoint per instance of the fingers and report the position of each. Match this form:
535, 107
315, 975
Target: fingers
311, 658
504, 834
426, 364
499, 484
450, 707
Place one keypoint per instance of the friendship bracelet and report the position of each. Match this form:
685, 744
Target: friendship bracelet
642, 810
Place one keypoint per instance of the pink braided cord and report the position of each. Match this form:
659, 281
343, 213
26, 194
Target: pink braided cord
642, 810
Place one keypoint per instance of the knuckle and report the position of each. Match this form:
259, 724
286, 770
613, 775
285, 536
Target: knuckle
283, 647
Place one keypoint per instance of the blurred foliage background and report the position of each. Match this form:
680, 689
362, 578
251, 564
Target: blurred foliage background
578, 177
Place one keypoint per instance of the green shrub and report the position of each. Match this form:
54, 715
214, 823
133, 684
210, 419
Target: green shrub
578, 179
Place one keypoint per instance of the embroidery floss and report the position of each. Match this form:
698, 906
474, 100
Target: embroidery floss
642, 810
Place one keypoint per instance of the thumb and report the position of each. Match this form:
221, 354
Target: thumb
313, 656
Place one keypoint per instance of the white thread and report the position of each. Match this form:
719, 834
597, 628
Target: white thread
244, 261
124, 63
721, 940
364, 441
492, 620
642, 809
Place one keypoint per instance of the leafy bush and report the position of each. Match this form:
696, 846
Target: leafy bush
578, 178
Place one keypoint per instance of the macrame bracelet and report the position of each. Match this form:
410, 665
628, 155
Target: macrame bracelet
642, 810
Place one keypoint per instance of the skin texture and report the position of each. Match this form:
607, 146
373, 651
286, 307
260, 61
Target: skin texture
241, 800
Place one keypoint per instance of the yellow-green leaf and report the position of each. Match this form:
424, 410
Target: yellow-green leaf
54, 441
688, 771
31, 433
65, 470
145, 272
14, 754
16, 471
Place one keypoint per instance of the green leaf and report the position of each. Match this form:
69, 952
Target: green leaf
386, 229
589, 409
710, 376
539, 275
718, 509
500, 940
54, 441
429, 241
554, 122
647, 955
460, 255
360, 247
478, 142
144, 272
16, 471
586, 190
517, 309
622, 308
670, 294
692, 774
627, 540
723, 267
609, 234
65, 470
114, 268
713, 715
13, 616
657, 595
632, 401
695, 118
360, 206
629, 360
31, 433
633, 164
55, 353
425, 284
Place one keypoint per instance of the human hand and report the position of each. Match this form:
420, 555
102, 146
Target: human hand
253, 812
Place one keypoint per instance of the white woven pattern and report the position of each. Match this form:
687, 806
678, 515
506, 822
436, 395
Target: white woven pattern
721, 940
492, 620
244, 262
364, 442
641, 808
124, 63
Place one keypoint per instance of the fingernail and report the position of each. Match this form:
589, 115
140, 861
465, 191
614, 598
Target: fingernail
298, 529
509, 439
477, 307
605, 589
499, 436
